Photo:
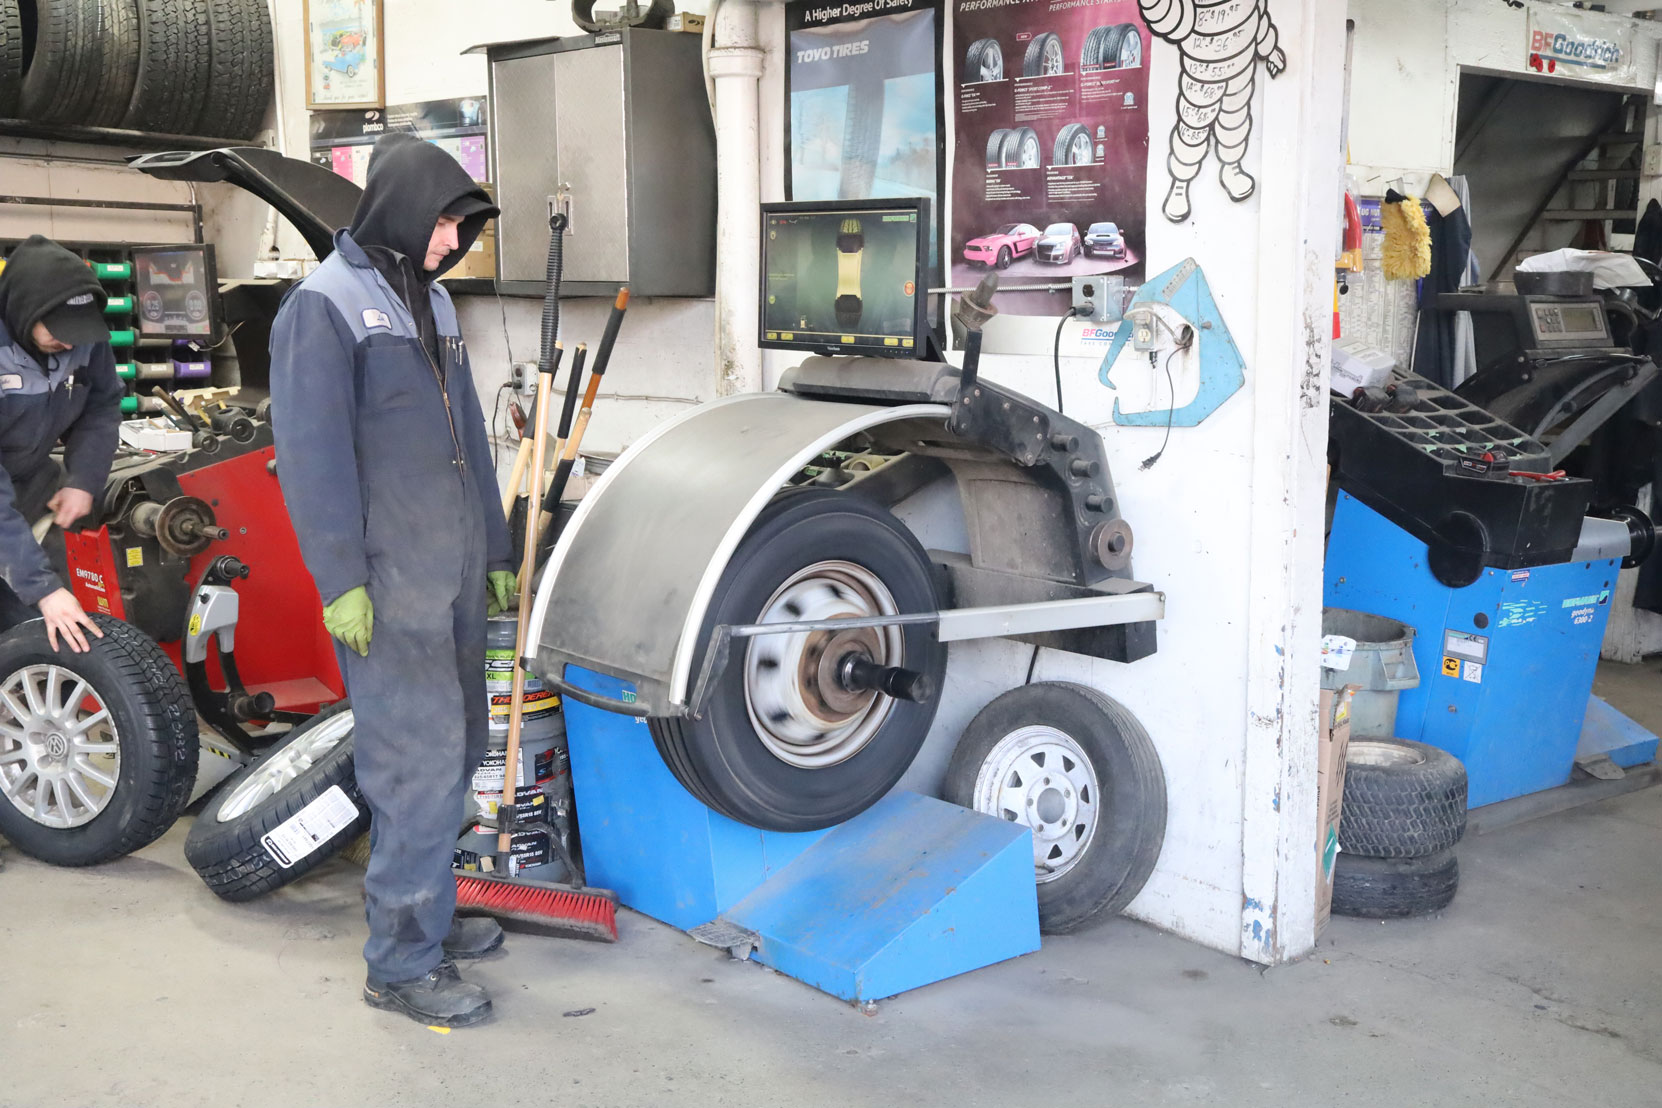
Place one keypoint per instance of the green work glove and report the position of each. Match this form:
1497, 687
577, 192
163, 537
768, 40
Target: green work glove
351, 619
500, 586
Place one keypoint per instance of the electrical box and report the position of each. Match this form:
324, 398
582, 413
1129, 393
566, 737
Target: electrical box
614, 129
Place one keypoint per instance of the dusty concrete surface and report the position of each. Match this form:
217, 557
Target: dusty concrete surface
130, 985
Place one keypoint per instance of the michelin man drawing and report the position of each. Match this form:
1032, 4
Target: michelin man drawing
1221, 43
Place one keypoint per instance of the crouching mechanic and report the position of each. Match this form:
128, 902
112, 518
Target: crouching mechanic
384, 464
57, 384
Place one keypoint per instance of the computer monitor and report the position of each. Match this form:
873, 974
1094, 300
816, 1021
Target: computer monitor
846, 277
174, 287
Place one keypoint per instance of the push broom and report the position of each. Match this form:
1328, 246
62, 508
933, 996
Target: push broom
545, 907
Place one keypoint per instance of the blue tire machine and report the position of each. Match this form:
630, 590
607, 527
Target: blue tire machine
1457, 522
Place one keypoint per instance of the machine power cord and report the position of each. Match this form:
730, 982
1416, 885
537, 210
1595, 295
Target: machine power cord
1056, 356
1184, 340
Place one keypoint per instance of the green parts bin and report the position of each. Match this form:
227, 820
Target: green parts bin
1383, 665
123, 338
118, 305
129, 405
112, 271
126, 370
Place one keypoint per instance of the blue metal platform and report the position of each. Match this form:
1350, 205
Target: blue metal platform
912, 891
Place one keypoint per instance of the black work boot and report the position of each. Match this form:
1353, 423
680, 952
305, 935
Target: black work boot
472, 937
441, 998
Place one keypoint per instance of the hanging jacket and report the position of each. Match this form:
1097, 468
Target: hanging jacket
73, 397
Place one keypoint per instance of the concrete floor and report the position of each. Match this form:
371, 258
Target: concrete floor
130, 985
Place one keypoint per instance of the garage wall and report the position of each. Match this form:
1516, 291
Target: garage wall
32, 167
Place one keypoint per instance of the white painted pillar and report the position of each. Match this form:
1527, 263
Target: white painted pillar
735, 66
1297, 234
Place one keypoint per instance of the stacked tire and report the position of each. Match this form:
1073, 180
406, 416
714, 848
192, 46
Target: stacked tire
1404, 812
182, 67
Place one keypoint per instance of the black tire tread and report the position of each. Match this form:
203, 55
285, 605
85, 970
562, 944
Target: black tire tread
1090, 54
11, 58
231, 859
1032, 62
174, 69
1064, 139
995, 146
1394, 888
118, 60
63, 74
1406, 811
242, 78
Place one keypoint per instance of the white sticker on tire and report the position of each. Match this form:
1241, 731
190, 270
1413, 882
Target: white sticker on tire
302, 833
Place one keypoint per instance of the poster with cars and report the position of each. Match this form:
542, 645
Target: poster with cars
343, 54
864, 119
1050, 172
343, 141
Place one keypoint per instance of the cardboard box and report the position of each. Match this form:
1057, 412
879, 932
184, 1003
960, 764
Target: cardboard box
685, 21
480, 259
1333, 743
1356, 366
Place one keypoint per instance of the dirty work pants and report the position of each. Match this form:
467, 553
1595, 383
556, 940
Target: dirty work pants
420, 715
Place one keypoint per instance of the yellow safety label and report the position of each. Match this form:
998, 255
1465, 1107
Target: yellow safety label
195, 625
135, 555
1451, 667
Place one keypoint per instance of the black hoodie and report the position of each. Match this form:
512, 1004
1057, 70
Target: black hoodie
411, 183
40, 275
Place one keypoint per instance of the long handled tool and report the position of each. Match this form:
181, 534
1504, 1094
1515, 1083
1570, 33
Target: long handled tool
568, 457
517, 477
574, 386
556, 909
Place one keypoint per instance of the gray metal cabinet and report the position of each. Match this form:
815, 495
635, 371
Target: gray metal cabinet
617, 127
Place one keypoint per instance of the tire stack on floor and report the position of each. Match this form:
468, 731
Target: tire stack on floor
180, 67
1404, 812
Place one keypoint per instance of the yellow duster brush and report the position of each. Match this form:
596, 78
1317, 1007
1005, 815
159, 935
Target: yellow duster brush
1407, 238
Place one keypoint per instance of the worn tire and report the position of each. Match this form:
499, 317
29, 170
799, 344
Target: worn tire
984, 61
1391, 888
155, 725
1122, 847
721, 758
1033, 62
240, 58
230, 853
11, 58
174, 66
62, 76
117, 64
1402, 799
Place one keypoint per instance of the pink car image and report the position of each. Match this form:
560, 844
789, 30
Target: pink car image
1003, 246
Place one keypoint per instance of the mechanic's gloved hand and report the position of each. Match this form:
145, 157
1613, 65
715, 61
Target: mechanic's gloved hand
351, 618
500, 586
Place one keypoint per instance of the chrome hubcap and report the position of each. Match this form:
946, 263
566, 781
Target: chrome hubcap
60, 756
1053, 60
1081, 150
1039, 777
1364, 753
992, 66
800, 709
1131, 52
1029, 156
277, 772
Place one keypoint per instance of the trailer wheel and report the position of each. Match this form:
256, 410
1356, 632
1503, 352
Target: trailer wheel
98, 751
283, 815
1079, 771
782, 745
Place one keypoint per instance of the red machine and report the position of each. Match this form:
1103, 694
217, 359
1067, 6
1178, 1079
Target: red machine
197, 552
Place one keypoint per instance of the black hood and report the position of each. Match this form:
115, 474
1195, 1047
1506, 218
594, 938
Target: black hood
39, 276
411, 183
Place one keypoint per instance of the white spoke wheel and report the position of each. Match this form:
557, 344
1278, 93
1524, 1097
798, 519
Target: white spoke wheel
1044, 57
1082, 775
97, 750
309, 771
783, 744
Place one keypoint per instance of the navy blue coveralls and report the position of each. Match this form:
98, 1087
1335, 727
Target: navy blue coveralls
387, 473
75, 398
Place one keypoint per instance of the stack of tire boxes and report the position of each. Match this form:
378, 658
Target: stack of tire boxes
542, 783
1404, 806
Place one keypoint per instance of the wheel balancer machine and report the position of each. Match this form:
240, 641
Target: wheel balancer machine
910, 889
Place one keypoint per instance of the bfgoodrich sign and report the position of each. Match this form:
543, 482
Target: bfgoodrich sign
1564, 45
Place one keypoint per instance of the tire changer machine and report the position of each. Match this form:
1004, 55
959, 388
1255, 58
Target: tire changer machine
1457, 517
867, 899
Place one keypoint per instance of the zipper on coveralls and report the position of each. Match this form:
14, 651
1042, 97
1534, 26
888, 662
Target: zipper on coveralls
461, 462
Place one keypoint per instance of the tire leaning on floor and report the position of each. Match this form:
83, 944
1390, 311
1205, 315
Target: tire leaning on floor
283, 815
63, 73
98, 751
1394, 888
1079, 771
174, 66
1402, 799
241, 61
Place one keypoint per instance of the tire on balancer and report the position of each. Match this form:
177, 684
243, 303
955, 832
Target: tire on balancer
303, 780
1077, 769
809, 547
94, 774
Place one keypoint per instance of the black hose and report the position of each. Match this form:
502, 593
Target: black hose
551, 291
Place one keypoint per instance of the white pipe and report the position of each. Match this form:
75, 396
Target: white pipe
735, 65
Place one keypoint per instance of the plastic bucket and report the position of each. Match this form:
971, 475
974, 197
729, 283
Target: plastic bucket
501, 635
1383, 665
544, 768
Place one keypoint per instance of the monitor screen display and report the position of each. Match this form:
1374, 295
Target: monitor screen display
174, 287
846, 278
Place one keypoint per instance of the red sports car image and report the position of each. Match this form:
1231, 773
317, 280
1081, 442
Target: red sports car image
1003, 246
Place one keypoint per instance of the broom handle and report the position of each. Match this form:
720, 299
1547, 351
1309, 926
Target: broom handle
516, 479
516, 704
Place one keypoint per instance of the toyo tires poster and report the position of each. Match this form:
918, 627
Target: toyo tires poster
864, 118
1050, 170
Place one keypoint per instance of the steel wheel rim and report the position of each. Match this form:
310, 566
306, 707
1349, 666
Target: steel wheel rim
1364, 753
1027, 155
60, 753
1080, 150
280, 770
1053, 62
797, 715
1039, 777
